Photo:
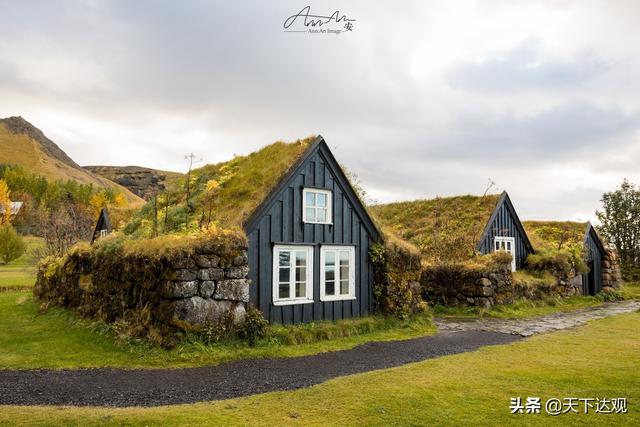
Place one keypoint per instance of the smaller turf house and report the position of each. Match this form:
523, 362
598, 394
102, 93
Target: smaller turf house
557, 235
103, 226
455, 228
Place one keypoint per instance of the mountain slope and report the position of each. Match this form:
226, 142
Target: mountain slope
23, 144
144, 182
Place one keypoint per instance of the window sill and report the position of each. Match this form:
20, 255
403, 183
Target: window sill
293, 302
317, 223
331, 299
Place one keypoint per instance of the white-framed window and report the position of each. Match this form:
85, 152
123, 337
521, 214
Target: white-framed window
103, 233
292, 275
316, 206
337, 273
507, 244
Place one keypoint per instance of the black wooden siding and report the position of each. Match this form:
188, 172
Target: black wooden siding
504, 224
283, 225
595, 254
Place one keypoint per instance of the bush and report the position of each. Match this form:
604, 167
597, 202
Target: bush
11, 244
559, 262
254, 326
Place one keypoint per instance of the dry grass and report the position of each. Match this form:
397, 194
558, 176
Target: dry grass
554, 235
431, 224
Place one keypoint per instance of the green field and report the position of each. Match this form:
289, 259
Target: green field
20, 273
597, 360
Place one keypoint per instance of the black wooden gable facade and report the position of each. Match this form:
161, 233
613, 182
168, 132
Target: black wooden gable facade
278, 224
504, 223
592, 281
103, 225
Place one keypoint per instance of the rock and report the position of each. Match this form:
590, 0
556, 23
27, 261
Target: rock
210, 274
207, 261
483, 281
487, 291
237, 272
179, 289
183, 262
470, 300
199, 311
184, 274
241, 260
234, 289
239, 314
207, 288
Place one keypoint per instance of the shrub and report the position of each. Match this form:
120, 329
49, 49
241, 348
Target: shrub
559, 262
609, 296
254, 326
11, 244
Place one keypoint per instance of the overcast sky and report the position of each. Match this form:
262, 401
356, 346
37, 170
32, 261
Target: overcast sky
421, 99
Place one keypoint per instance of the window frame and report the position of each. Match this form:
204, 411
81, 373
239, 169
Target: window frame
275, 278
325, 191
505, 239
352, 273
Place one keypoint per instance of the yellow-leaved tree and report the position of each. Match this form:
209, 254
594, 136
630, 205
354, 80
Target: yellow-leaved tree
5, 203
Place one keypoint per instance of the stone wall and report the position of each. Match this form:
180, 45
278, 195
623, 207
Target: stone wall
158, 296
611, 274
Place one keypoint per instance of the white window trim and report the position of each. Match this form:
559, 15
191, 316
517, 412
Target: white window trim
512, 240
352, 274
329, 195
103, 233
276, 278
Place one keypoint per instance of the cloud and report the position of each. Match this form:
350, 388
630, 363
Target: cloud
525, 68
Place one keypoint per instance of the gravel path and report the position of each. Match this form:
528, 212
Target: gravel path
538, 325
118, 387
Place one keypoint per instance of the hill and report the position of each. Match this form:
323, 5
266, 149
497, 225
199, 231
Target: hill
143, 182
23, 144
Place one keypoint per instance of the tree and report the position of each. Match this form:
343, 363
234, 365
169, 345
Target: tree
620, 219
64, 227
11, 244
5, 203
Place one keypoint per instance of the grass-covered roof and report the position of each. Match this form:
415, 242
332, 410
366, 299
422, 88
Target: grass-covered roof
222, 194
443, 229
555, 235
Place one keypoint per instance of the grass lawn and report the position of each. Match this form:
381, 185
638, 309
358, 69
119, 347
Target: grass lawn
20, 273
600, 360
59, 339
631, 290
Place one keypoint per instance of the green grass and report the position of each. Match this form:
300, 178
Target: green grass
20, 273
630, 290
520, 309
597, 360
59, 339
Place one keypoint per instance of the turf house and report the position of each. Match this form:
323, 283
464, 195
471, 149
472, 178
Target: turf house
555, 235
455, 228
103, 226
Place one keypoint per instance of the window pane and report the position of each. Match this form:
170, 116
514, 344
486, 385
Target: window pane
344, 287
283, 291
330, 288
301, 274
301, 258
301, 290
508, 246
284, 258
344, 273
321, 215
311, 214
329, 258
310, 198
284, 275
344, 257
329, 273
321, 200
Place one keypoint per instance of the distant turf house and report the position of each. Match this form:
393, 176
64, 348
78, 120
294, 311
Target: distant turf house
103, 226
563, 234
309, 239
454, 228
